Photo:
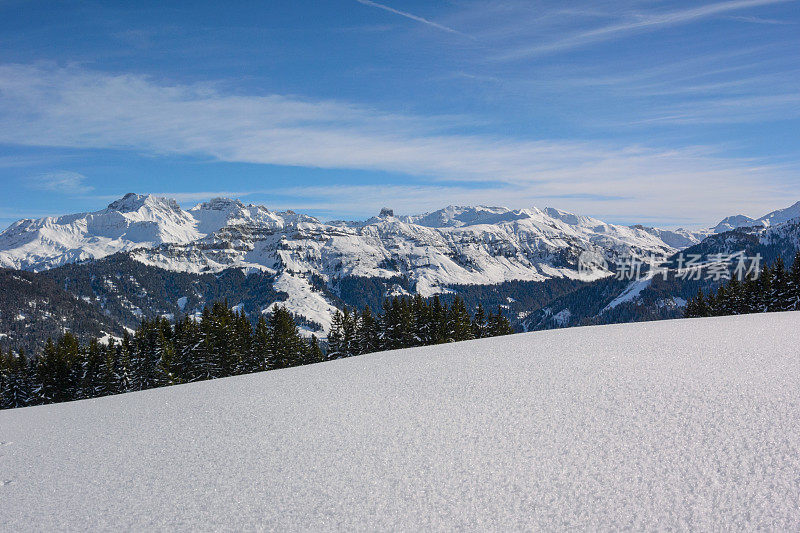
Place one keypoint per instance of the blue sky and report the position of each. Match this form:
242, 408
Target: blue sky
634, 111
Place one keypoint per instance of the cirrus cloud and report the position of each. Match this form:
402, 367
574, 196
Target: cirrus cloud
72, 107
65, 182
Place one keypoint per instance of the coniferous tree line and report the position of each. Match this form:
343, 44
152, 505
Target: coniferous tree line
223, 342
774, 288
220, 343
409, 322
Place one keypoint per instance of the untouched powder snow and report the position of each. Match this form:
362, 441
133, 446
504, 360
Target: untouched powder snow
685, 424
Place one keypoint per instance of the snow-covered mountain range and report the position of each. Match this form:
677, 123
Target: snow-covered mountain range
775, 235
452, 245
774, 218
431, 252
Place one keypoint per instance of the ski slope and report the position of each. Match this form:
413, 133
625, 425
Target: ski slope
686, 424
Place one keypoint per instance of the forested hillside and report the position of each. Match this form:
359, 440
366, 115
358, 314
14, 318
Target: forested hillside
774, 289
223, 342
34, 307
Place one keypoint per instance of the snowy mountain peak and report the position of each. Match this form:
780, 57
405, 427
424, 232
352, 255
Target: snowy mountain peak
568, 218
219, 204
733, 222
777, 217
781, 215
220, 212
133, 202
133, 221
455, 216
456, 245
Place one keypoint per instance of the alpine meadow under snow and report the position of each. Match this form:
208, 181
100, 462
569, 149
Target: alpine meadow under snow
688, 424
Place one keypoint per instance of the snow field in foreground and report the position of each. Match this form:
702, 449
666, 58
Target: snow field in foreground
676, 424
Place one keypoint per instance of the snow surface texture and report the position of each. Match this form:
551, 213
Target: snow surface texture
686, 424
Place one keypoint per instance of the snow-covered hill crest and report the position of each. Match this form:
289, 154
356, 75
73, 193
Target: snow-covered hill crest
672, 425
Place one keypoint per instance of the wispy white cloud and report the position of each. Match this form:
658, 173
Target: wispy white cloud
760, 20
22, 161
75, 108
640, 22
409, 16
65, 182
730, 110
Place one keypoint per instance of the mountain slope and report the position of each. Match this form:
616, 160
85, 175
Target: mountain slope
127, 223
315, 267
34, 308
775, 218
453, 245
773, 241
128, 290
312, 261
611, 301
667, 425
